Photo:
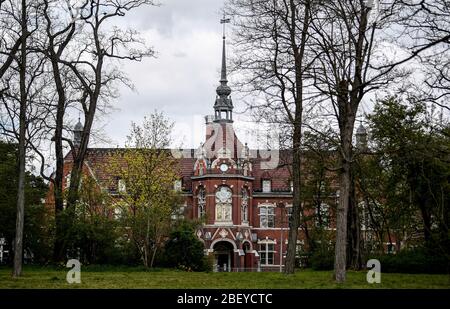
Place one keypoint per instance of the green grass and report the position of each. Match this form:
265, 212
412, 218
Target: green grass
135, 277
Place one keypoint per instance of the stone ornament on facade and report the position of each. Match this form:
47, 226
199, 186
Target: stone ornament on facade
223, 233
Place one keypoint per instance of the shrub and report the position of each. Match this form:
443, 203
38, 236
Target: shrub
208, 263
184, 250
418, 260
322, 259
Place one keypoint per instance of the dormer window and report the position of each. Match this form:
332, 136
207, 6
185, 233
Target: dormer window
266, 185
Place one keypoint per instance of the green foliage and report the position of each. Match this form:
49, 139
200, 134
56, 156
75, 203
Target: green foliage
183, 249
322, 251
322, 260
406, 181
417, 260
38, 234
149, 200
92, 231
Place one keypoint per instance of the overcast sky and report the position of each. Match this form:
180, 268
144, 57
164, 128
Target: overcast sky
181, 81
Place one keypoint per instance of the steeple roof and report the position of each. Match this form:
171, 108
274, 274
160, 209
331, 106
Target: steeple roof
223, 105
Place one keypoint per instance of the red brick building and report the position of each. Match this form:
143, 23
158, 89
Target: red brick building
243, 195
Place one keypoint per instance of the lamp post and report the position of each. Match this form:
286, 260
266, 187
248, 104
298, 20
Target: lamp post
281, 206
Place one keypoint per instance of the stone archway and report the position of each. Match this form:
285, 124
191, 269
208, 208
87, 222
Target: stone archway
224, 255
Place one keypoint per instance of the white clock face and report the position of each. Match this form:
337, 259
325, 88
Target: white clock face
224, 167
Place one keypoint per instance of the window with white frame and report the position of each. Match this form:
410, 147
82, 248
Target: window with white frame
267, 185
267, 216
224, 204
177, 185
121, 186
201, 200
267, 253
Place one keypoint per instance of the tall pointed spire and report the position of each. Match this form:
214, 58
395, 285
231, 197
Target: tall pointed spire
223, 106
223, 76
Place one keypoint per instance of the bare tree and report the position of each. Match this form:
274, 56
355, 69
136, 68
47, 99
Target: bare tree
18, 242
18, 116
95, 70
272, 41
346, 37
80, 45
427, 25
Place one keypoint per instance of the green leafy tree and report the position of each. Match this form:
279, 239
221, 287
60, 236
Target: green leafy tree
412, 155
93, 232
37, 221
184, 249
147, 171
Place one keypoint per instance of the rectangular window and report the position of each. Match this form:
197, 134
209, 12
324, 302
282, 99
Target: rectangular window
266, 253
267, 185
267, 217
289, 212
121, 186
177, 185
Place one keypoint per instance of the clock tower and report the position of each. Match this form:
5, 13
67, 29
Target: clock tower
222, 184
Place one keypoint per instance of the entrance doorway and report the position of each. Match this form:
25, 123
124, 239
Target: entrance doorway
223, 252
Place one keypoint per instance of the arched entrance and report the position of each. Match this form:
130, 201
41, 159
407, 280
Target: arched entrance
224, 257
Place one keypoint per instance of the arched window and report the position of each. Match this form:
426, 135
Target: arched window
224, 204
201, 201
244, 206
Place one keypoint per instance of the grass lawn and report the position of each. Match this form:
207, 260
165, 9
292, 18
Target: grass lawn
134, 277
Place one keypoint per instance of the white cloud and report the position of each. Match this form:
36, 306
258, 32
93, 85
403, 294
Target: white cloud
181, 81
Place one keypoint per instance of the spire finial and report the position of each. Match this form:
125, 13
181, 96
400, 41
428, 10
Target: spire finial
224, 21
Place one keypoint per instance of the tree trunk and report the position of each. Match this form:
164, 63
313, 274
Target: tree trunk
153, 255
354, 240
341, 224
296, 206
346, 123
18, 243
80, 153
59, 173
298, 52
426, 219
